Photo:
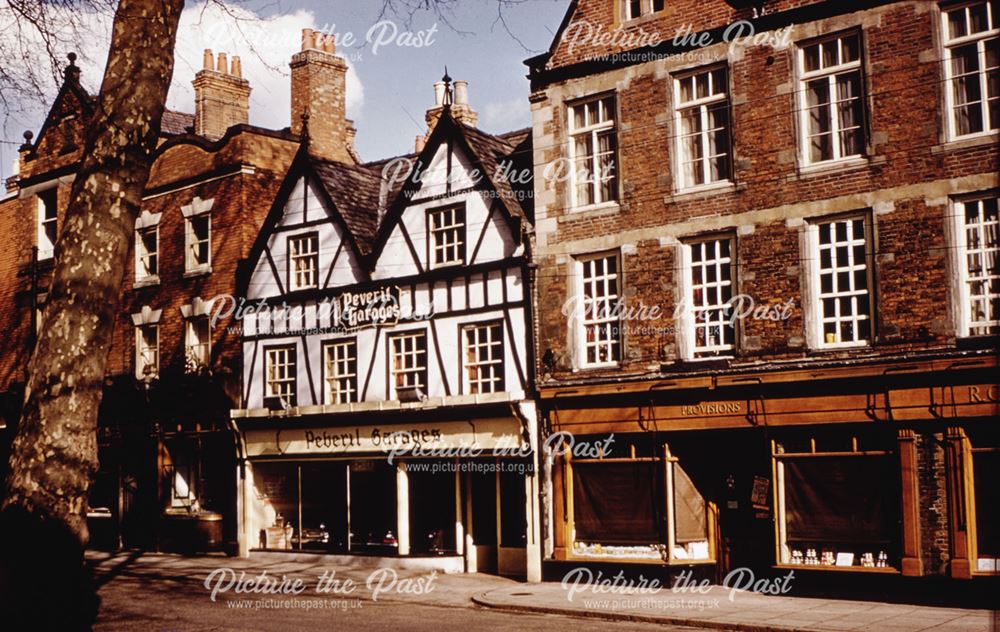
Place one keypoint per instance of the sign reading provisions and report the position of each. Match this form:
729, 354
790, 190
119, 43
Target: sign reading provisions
450, 438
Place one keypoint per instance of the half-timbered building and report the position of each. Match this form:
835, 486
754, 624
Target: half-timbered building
386, 403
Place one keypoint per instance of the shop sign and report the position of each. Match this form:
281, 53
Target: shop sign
712, 408
444, 439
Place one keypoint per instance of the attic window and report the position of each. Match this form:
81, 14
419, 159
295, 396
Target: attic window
303, 261
638, 8
447, 236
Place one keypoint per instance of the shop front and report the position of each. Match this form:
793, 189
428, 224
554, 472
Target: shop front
455, 494
855, 470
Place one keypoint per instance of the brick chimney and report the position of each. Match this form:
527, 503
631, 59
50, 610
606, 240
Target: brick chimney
457, 96
319, 89
221, 96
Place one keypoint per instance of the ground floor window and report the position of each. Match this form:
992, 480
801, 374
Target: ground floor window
838, 501
432, 508
986, 472
641, 505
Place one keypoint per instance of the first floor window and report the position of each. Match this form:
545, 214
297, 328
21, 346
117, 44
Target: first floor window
341, 367
484, 366
979, 266
303, 261
447, 229
598, 316
198, 234
593, 151
831, 85
409, 361
146, 253
840, 260
47, 223
972, 67
708, 296
147, 343
638, 8
197, 344
280, 373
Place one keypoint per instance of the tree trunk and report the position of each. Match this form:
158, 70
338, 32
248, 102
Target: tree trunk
54, 453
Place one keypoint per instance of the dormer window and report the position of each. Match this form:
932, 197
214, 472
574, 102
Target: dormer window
303, 261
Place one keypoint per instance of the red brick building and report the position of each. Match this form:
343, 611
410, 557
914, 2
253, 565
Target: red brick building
768, 266
167, 450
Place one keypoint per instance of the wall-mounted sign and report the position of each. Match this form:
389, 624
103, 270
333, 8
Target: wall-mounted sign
449, 439
371, 308
712, 408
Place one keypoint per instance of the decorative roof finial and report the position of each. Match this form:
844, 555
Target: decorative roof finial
449, 96
26, 145
304, 135
72, 72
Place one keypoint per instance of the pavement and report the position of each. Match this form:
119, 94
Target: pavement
150, 592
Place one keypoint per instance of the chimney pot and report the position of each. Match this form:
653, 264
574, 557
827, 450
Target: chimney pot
461, 92
223, 66
237, 68
209, 61
307, 39
329, 43
438, 93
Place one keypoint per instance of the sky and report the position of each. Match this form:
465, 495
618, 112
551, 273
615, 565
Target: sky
394, 61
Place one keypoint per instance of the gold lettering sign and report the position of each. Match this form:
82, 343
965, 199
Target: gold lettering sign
712, 408
981, 394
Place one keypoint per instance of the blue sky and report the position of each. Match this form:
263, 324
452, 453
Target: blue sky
391, 85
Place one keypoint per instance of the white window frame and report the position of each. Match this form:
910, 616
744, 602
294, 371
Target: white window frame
816, 319
691, 317
400, 372
960, 228
285, 359
646, 7
197, 351
585, 317
447, 239
949, 44
831, 73
297, 255
192, 242
47, 222
340, 371
478, 338
147, 355
702, 105
144, 256
607, 121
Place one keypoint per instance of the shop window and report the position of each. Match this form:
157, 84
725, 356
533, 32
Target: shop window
837, 508
831, 118
598, 318
840, 264
593, 151
303, 261
48, 223
432, 509
986, 473
447, 236
484, 507
702, 120
690, 517
513, 514
276, 488
977, 233
183, 474
373, 510
324, 508
483, 358
972, 68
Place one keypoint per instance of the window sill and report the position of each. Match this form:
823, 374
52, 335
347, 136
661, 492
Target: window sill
700, 191
197, 272
148, 281
834, 166
598, 367
839, 569
591, 210
968, 142
841, 346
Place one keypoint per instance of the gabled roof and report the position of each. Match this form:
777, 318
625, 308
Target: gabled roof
490, 154
354, 191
